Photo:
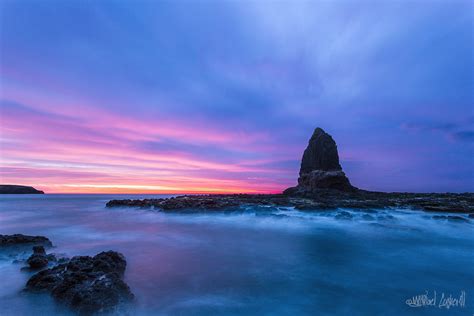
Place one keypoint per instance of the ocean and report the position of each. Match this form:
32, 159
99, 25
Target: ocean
265, 261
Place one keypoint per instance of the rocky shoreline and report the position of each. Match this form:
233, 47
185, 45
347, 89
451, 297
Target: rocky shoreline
88, 285
323, 200
322, 185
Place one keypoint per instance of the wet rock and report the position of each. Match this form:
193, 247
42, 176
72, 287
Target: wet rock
457, 219
51, 257
312, 206
23, 240
451, 218
38, 259
86, 284
62, 260
440, 208
39, 250
14, 245
315, 201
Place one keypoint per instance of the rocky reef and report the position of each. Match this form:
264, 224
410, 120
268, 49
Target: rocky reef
86, 284
18, 189
314, 201
39, 259
20, 240
322, 185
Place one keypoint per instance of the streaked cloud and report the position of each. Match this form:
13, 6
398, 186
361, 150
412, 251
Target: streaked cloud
162, 96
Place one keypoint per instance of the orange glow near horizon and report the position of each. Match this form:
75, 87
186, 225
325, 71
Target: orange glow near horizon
126, 189
109, 153
86, 189
126, 97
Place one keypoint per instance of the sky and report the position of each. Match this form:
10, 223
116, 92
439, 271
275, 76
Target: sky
222, 96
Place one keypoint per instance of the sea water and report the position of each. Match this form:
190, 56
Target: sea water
263, 261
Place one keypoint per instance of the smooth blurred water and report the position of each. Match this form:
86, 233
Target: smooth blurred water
273, 262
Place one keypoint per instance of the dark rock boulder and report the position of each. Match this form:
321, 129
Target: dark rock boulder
320, 167
38, 259
23, 240
86, 284
18, 189
39, 250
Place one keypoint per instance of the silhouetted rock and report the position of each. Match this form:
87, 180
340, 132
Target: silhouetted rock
87, 284
182, 202
18, 189
322, 185
38, 259
23, 240
320, 167
318, 179
321, 153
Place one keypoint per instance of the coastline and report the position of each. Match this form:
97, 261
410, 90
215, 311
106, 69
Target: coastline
272, 248
462, 203
18, 189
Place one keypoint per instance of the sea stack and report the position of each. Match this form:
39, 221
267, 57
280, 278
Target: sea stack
320, 167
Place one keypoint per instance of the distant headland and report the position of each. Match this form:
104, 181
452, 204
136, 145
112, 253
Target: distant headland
18, 189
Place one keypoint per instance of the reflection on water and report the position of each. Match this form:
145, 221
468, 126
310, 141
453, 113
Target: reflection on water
274, 262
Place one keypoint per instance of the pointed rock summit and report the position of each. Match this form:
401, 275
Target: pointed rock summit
320, 167
321, 153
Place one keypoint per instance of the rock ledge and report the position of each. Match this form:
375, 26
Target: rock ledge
86, 284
